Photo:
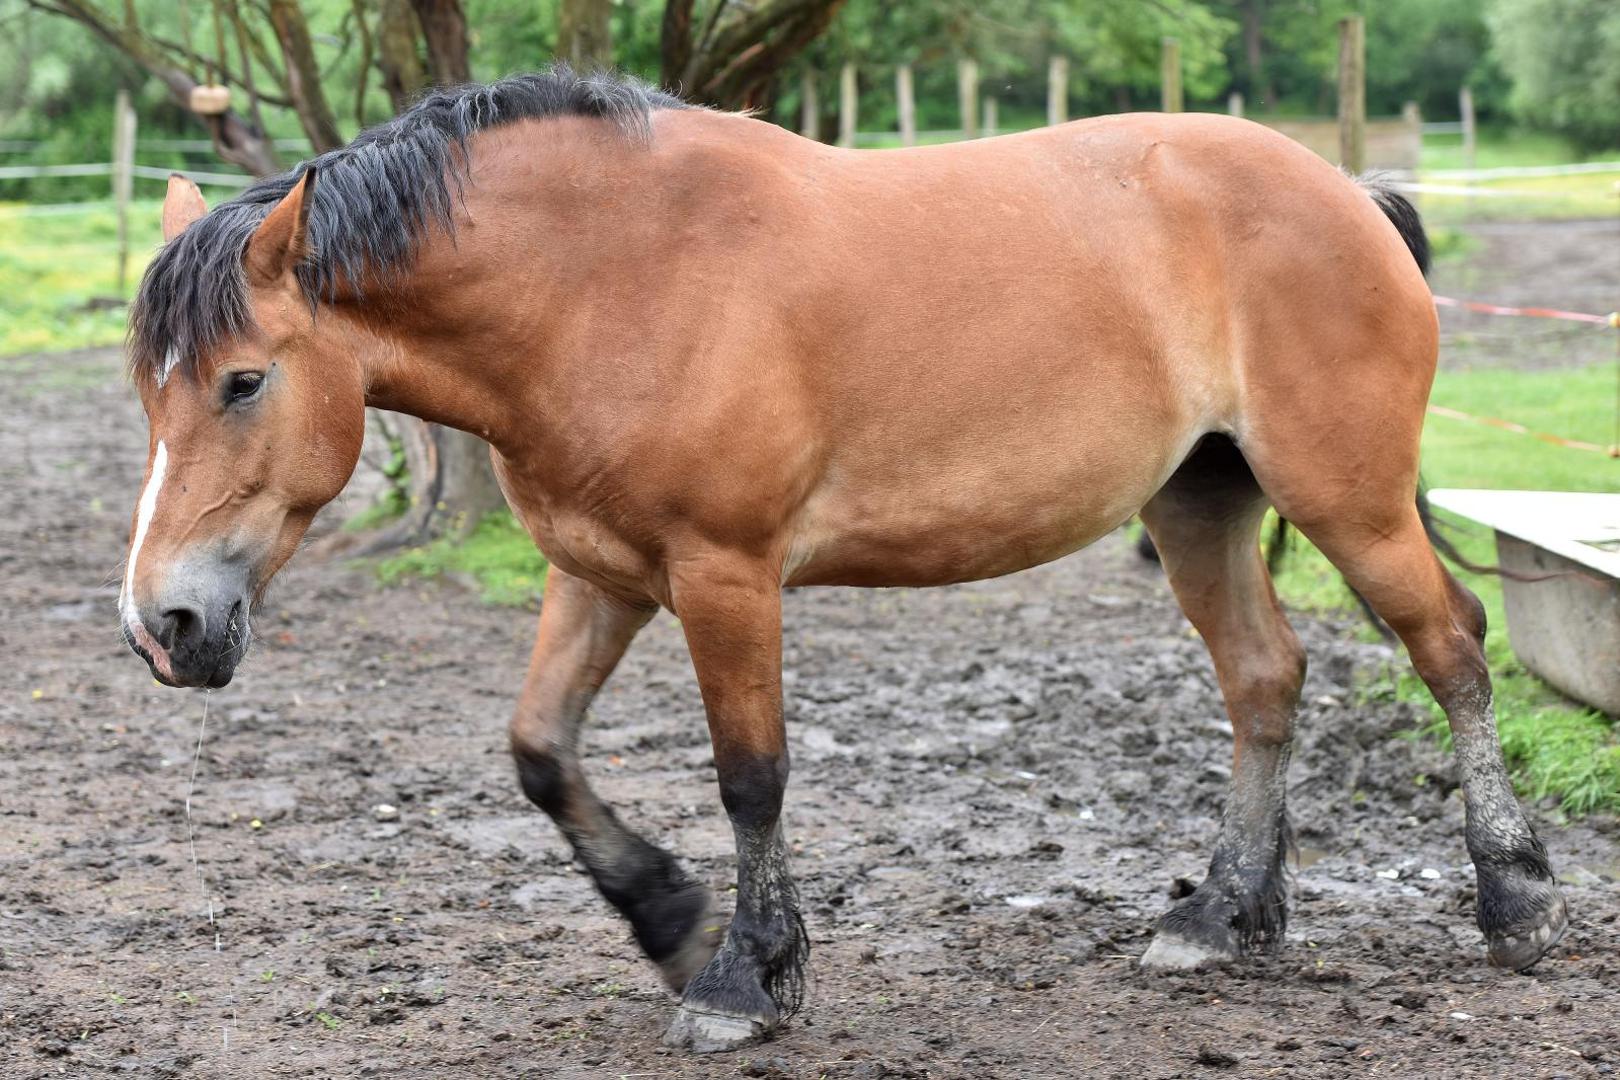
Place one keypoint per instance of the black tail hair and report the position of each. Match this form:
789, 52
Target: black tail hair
1402, 214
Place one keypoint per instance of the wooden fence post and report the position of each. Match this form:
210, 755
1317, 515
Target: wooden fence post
906, 94
123, 174
1412, 117
967, 94
1234, 103
992, 116
1170, 75
1465, 103
1057, 90
1353, 93
810, 106
847, 101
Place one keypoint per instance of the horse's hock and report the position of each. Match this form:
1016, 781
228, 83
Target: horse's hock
1563, 608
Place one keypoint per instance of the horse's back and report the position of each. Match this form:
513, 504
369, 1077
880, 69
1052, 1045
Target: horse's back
943, 363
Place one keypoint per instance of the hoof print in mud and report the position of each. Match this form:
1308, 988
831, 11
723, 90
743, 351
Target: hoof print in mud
713, 1032
1171, 952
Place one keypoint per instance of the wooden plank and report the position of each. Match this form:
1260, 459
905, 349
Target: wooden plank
809, 106
1353, 93
967, 94
848, 100
905, 94
1170, 99
1057, 90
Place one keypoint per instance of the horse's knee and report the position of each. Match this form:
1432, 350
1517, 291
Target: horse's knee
543, 769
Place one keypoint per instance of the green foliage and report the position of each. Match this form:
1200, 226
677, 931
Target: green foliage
57, 270
1554, 746
1564, 59
497, 555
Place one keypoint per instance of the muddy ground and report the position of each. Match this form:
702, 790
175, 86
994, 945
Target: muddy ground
1569, 265
996, 789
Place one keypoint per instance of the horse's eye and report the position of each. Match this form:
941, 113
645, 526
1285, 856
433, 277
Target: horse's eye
244, 384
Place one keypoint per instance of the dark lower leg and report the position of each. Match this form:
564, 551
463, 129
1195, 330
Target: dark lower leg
1521, 911
669, 913
731, 614
1207, 530
583, 633
1243, 902
759, 970
1443, 627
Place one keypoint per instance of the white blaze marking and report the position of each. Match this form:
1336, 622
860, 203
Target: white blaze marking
143, 520
171, 360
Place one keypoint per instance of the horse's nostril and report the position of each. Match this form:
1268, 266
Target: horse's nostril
180, 624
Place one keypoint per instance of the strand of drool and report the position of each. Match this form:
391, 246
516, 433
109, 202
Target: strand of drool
196, 867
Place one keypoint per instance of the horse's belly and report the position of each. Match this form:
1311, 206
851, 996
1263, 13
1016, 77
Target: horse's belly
942, 535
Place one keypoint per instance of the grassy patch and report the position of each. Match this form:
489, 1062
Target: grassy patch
1506, 148
1554, 746
53, 264
497, 555
1529, 198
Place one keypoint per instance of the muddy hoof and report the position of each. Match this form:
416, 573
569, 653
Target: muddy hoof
1521, 947
711, 1032
1172, 952
693, 954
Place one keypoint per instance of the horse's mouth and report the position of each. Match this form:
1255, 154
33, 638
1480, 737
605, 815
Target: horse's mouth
163, 670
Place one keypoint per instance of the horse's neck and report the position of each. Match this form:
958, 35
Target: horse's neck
485, 332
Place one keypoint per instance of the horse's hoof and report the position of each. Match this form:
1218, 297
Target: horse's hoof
706, 1032
1172, 952
1520, 948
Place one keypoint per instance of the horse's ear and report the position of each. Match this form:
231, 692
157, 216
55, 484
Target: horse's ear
283, 238
181, 206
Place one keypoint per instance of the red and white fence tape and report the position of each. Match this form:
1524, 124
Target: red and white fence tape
1612, 319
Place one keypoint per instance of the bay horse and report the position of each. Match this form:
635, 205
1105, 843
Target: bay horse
714, 359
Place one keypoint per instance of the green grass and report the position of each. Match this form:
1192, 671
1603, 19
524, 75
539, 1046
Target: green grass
1503, 148
1554, 746
497, 555
52, 264
1587, 195
1533, 198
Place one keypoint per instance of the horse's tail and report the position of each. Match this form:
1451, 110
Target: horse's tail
1402, 214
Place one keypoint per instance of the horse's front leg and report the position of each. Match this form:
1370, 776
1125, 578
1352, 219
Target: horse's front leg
731, 611
583, 633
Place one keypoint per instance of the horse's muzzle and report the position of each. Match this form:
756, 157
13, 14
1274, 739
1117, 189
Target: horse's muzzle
195, 635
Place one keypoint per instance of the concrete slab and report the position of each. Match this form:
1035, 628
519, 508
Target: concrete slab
1565, 627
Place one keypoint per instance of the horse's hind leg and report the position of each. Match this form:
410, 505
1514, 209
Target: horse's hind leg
583, 633
1381, 548
1206, 524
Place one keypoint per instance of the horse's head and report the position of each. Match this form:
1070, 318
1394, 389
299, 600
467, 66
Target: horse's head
252, 430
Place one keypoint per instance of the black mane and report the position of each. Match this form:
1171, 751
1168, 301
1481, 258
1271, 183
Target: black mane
374, 200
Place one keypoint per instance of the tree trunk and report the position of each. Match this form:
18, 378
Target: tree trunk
444, 25
304, 76
733, 60
452, 484
398, 36
585, 34
1254, 51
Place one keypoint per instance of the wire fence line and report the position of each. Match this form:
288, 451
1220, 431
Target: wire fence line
105, 168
